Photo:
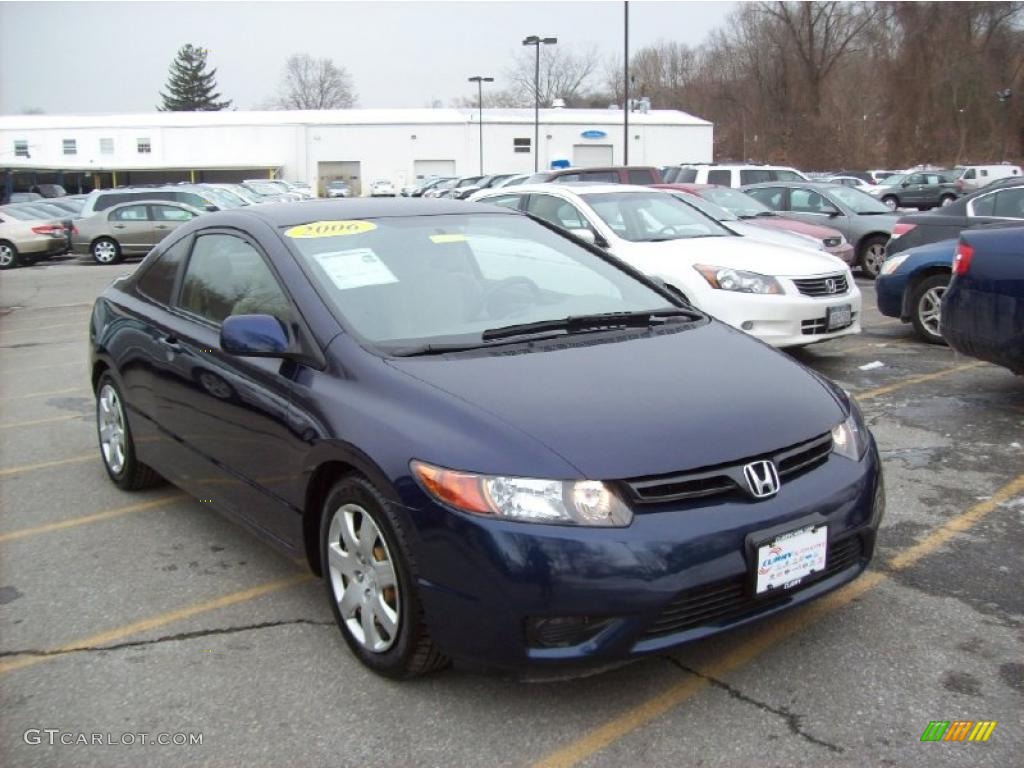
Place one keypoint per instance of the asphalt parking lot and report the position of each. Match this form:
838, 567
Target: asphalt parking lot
148, 613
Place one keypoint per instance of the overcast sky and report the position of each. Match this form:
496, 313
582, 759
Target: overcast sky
113, 57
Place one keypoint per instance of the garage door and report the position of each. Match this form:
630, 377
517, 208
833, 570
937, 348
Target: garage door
589, 155
424, 169
339, 170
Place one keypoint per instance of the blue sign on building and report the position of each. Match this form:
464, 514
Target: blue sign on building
593, 134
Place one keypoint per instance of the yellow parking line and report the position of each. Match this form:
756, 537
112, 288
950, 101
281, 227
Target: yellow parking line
910, 381
51, 392
44, 464
83, 325
34, 422
154, 622
642, 714
74, 522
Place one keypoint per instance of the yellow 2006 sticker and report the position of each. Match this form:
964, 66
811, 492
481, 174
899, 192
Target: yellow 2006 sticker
330, 229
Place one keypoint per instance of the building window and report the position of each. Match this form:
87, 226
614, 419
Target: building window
106, 146
21, 149
521, 145
144, 147
70, 147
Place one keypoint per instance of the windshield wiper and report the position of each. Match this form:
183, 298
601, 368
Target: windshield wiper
597, 322
765, 214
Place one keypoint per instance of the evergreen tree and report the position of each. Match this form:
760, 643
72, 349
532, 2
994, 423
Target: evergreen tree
190, 88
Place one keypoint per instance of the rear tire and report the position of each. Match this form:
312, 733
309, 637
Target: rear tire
9, 258
115, 438
872, 254
946, 200
106, 250
368, 573
925, 303
891, 201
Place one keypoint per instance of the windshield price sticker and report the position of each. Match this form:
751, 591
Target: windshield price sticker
356, 268
330, 229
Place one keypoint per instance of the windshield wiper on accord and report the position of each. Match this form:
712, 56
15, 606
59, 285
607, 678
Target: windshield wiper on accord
597, 322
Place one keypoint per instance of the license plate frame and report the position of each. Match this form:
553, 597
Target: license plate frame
786, 560
843, 311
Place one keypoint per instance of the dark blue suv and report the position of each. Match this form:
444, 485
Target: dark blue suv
495, 442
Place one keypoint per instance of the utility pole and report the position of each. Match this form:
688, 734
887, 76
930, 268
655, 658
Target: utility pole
1003, 97
480, 80
537, 42
625, 84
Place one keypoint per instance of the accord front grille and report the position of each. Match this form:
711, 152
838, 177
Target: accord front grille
829, 285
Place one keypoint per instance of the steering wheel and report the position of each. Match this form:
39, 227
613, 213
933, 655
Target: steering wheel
511, 296
669, 230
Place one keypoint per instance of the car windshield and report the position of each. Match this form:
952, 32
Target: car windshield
263, 188
221, 198
429, 280
857, 201
733, 200
706, 207
894, 180
644, 217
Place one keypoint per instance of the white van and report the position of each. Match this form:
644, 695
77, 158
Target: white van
977, 176
735, 175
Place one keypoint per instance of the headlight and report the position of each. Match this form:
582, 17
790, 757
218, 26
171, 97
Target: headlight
850, 439
893, 263
727, 279
525, 499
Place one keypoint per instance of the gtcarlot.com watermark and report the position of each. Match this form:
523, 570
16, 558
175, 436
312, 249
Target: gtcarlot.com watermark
55, 736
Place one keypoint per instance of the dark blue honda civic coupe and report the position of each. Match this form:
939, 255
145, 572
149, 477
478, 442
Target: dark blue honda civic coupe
495, 442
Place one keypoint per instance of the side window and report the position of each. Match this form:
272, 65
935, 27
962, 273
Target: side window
227, 276
983, 173
608, 177
157, 282
808, 201
169, 213
505, 201
556, 211
786, 176
566, 177
984, 205
640, 176
916, 178
109, 201
722, 178
1009, 203
130, 213
969, 173
773, 197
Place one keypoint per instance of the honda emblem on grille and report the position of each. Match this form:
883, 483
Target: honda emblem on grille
831, 285
762, 479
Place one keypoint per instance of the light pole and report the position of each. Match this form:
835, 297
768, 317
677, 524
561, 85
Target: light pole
537, 42
480, 80
625, 82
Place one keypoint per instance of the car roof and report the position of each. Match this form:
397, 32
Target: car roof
579, 188
820, 185
324, 209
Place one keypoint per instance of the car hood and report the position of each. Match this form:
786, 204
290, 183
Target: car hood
774, 236
791, 225
644, 404
667, 258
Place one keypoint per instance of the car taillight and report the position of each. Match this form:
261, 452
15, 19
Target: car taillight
901, 229
74, 230
962, 259
48, 229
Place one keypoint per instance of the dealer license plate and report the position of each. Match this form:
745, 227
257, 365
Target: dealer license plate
788, 559
839, 317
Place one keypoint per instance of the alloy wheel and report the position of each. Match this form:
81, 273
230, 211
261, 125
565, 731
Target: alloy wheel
363, 579
929, 309
110, 423
874, 255
6, 256
891, 203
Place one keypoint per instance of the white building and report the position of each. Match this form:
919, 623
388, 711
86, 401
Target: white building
360, 145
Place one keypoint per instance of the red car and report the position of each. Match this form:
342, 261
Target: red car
757, 214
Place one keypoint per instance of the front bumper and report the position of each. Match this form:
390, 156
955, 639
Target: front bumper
482, 582
889, 291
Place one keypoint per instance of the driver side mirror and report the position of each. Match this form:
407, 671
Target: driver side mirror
254, 336
905, 184
586, 235
833, 213
211, 208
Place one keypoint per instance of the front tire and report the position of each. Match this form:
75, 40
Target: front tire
106, 251
872, 254
368, 575
891, 202
9, 258
115, 438
925, 304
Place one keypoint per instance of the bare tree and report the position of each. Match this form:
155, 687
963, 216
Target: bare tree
312, 83
564, 74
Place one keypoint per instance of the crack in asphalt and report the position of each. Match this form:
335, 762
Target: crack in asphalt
166, 638
792, 719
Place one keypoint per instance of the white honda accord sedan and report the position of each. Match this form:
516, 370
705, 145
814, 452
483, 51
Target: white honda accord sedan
786, 297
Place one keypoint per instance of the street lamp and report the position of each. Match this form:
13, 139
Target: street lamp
480, 80
537, 42
1003, 97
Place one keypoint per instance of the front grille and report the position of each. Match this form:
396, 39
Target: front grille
833, 242
732, 598
727, 479
819, 325
829, 285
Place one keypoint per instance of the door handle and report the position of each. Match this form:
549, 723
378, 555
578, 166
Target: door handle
161, 226
172, 344
119, 226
